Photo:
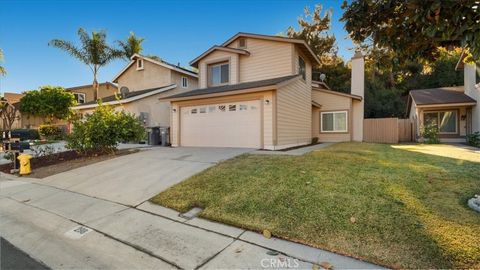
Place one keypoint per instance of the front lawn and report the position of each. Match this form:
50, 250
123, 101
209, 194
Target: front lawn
389, 206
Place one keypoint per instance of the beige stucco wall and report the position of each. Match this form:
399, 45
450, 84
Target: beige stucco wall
104, 90
176, 77
267, 114
158, 110
331, 102
151, 76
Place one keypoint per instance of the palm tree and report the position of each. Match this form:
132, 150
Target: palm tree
94, 51
131, 46
2, 69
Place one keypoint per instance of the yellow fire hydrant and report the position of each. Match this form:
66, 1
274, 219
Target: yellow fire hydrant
24, 164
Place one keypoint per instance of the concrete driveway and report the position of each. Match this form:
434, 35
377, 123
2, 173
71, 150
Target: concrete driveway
135, 178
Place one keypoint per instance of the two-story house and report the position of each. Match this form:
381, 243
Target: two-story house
141, 84
256, 91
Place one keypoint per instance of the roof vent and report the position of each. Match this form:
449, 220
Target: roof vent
124, 91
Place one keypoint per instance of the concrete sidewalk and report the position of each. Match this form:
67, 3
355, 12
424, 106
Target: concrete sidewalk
65, 229
295, 152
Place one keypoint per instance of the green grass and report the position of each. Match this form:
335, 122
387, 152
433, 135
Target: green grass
410, 208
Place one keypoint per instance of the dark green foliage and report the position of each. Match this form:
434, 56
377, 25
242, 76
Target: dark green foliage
102, 130
474, 139
430, 134
51, 132
414, 28
48, 102
381, 101
337, 77
26, 134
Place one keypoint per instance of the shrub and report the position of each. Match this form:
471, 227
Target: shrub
26, 134
314, 140
430, 133
102, 130
474, 139
51, 132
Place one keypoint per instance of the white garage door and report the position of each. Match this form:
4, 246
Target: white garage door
234, 124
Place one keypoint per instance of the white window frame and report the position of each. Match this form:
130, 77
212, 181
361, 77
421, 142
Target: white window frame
334, 131
84, 97
210, 73
438, 119
140, 64
184, 82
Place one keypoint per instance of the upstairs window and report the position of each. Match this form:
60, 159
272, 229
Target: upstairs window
139, 64
301, 67
242, 43
218, 74
80, 97
184, 82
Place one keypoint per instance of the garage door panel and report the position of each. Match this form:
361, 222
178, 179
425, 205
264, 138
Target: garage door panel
236, 124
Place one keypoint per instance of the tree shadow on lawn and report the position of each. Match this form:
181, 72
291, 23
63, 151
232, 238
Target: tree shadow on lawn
407, 205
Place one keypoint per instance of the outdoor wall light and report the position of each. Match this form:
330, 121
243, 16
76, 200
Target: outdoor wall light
267, 101
174, 110
463, 117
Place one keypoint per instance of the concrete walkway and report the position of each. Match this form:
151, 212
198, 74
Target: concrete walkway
295, 152
66, 229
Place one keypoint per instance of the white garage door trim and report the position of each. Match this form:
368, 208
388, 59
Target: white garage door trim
228, 124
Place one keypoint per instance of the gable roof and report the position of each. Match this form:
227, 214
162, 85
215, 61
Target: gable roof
234, 87
160, 63
129, 97
303, 45
444, 95
194, 62
439, 96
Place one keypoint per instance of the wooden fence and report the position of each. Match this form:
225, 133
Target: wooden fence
387, 130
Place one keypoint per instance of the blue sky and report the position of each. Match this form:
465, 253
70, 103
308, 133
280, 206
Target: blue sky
177, 31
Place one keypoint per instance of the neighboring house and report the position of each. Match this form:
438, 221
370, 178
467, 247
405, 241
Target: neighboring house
86, 93
141, 84
256, 91
454, 110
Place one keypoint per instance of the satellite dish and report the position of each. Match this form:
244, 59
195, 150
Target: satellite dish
124, 91
322, 77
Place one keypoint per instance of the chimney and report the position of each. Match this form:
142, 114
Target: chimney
472, 90
358, 88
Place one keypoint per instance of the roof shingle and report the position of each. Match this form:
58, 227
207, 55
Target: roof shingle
444, 95
128, 95
233, 87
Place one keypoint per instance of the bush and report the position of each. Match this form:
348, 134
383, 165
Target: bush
26, 134
51, 132
314, 140
430, 134
474, 139
102, 130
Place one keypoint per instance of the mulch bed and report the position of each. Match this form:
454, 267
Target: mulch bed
64, 161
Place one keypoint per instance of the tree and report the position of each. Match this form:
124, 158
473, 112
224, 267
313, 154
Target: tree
48, 102
2, 69
8, 114
314, 29
133, 45
415, 28
94, 51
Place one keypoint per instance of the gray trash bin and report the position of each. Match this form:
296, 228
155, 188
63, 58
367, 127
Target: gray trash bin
165, 136
154, 136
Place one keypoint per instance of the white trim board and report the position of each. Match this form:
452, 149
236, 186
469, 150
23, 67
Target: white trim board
127, 100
